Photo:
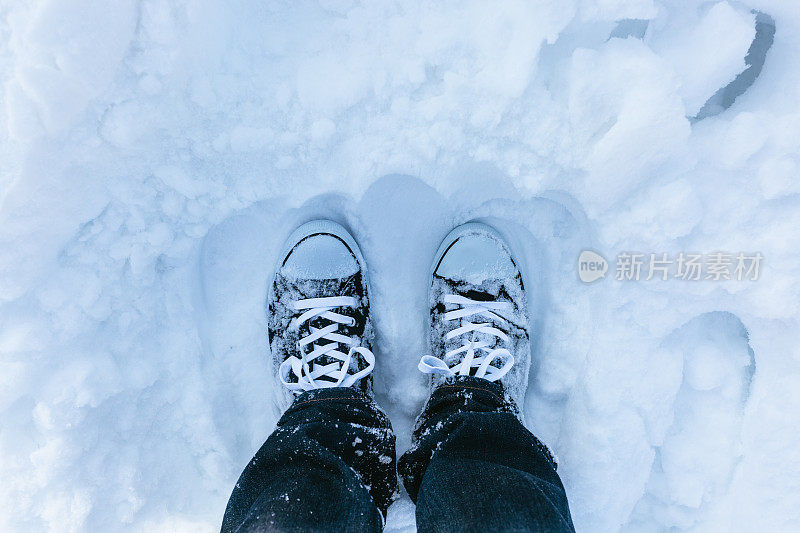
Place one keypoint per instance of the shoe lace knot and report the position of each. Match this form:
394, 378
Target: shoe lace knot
476, 355
306, 372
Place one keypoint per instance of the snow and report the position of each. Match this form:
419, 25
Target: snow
155, 154
705, 47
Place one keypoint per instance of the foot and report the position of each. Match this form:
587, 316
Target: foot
479, 317
319, 325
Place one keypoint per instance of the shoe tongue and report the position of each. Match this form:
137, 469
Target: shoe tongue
481, 293
321, 288
490, 290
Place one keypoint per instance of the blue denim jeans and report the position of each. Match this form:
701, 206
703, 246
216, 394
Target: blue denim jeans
330, 466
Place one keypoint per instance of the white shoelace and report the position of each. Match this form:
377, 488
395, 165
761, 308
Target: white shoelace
307, 372
433, 365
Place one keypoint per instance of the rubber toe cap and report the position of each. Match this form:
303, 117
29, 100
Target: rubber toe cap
320, 256
474, 258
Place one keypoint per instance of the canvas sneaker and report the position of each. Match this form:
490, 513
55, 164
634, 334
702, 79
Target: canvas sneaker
320, 332
478, 314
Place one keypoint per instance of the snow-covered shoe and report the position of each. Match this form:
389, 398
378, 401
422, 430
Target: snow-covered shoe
320, 331
479, 317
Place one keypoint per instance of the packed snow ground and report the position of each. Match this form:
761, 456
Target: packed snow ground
154, 154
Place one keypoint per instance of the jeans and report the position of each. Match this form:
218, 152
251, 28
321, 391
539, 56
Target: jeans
329, 466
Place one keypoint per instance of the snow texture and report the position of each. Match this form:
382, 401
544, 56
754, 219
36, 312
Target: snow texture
156, 153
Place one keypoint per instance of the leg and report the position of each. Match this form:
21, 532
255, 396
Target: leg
474, 466
329, 465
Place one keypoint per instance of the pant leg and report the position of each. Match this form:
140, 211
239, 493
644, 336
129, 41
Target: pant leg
474, 467
329, 465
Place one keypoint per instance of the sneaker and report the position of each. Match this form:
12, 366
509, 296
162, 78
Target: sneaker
320, 331
479, 317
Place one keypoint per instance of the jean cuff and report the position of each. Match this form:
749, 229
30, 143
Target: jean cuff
466, 394
322, 403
